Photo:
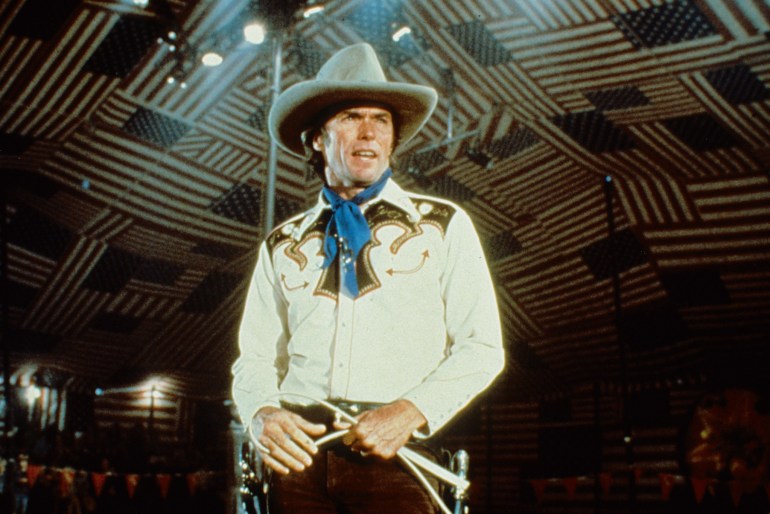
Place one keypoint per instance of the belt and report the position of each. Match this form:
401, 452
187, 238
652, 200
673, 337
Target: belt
323, 415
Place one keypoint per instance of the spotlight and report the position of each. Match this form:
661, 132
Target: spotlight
32, 394
314, 9
170, 80
254, 33
401, 32
141, 3
212, 59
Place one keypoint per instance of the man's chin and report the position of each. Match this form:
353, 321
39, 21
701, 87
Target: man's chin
367, 177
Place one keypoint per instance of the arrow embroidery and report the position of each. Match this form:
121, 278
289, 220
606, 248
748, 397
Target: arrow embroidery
301, 286
425, 257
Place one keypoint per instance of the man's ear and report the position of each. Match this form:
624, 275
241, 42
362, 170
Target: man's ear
318, 141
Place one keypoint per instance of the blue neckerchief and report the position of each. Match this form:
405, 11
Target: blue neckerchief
348, 230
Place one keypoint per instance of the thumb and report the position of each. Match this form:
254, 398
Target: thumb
342, 425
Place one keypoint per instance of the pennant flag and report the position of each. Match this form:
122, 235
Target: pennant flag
699, 487
570, 485
33, 471
666, 484
192, 482
132, 480
736, 491
538, 484
97, 479
66, 478
164, 481
605, 479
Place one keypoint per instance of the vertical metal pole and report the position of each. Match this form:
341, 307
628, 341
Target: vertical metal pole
4, 280
450, 80
272, 161
616, 297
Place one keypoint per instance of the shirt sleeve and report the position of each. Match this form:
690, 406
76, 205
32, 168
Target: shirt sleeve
261, 341
475, 354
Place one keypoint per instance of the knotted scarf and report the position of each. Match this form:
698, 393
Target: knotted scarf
348, 231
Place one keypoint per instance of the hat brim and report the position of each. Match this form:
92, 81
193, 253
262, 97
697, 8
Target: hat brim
297, 109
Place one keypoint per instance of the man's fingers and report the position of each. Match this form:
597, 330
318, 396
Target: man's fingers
287, 452
288, 439
275, 464
295, 435
314, 429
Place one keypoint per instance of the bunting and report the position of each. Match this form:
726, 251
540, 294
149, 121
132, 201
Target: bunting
538, 485
33, 472
605, 480
132, 480
666, 482
164, 482
570, 485
192, 482
97, 479
66, 478
736, 491
699, 487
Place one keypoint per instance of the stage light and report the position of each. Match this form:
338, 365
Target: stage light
314, 9
212, 59
254, 33
32, 394
401, 32
170, 79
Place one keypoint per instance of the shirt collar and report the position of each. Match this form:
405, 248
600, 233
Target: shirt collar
391, 193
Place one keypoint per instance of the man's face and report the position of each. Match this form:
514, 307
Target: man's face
356, 144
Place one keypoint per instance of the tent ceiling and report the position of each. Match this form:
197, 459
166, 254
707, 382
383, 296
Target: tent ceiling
614, 155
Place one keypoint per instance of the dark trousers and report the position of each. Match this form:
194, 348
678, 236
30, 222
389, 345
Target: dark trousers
343, 482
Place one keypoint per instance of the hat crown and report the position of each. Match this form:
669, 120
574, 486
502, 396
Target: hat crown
356, 63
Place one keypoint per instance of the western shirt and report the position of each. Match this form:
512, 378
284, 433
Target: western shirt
425, 326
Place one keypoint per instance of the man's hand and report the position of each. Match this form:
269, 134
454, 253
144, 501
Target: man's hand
383, 431
287, 437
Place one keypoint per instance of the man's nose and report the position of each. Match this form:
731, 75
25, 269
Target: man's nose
366, 129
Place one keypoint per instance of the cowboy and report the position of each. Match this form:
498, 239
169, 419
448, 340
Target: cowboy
375, 300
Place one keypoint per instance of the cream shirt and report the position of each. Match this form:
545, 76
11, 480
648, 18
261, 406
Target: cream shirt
425, 326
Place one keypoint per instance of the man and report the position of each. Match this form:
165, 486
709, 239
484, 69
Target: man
375, 299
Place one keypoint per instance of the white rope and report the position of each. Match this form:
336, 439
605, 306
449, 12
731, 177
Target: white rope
411, 459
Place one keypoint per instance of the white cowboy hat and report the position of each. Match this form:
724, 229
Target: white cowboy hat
351, 75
